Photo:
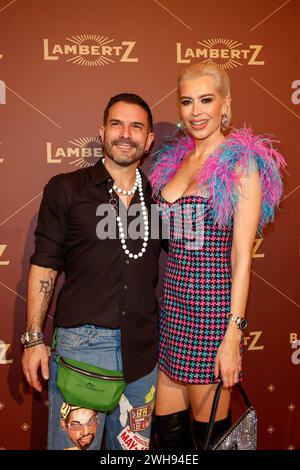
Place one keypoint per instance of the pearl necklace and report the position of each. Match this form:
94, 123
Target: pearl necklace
139, 185
123, 191
131, 191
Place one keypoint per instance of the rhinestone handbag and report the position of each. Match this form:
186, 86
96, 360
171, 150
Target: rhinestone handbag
242, 435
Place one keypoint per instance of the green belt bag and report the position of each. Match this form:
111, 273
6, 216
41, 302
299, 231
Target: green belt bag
89, 386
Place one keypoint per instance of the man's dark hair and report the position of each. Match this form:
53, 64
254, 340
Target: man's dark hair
128, 98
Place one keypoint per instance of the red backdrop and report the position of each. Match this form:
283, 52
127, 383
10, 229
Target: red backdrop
60, 61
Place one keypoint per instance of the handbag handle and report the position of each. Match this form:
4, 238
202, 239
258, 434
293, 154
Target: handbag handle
215, 406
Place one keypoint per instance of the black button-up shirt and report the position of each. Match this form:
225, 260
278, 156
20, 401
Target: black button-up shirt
103, 286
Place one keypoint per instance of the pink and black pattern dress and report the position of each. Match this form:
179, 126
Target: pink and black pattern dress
197, 281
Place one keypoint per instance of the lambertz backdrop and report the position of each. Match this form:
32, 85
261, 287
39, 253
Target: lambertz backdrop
60, 61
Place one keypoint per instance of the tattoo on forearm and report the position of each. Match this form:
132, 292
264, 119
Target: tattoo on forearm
47, 289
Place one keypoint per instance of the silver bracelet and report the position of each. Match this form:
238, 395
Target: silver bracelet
33, 343
29, 337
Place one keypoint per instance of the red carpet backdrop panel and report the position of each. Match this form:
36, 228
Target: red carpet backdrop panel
60, 62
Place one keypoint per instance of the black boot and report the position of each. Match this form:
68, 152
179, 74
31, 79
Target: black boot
172, 432
200, 431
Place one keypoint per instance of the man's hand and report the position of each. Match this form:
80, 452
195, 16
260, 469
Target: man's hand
32, 359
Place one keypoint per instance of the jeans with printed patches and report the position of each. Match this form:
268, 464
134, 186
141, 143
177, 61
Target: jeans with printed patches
128, 426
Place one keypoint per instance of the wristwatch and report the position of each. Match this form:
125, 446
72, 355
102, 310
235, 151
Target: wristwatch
241, 322
31, 337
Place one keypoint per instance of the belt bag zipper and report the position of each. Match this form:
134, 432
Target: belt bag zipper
89, 374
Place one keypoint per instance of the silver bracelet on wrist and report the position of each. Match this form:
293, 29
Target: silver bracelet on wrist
33, 343
30, 337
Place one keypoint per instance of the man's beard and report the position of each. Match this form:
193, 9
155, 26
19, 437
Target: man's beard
123, 159
84, 446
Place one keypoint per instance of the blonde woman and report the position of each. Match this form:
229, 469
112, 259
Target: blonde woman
233, 181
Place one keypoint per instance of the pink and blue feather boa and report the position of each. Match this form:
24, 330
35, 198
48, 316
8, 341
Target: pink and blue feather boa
240, 151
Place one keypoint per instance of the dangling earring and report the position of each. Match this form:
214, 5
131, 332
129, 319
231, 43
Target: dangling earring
224, 122
180, 126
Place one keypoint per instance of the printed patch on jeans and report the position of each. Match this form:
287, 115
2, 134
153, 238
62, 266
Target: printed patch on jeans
149, 397
132, 441
140, 418
125, 407
80, 425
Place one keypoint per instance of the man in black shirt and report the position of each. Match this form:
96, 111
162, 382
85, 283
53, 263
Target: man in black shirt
106, 313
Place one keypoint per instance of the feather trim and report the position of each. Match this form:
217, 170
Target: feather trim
238, 156
168, 160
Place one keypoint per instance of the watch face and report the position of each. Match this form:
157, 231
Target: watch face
243, 324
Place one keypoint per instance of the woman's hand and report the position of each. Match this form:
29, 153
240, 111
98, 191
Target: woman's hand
228, 359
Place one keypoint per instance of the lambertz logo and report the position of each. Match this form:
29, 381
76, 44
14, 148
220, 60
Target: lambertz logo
90, 50
224, 52
84, 152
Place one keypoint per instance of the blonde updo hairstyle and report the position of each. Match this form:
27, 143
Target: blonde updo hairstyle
221, 80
